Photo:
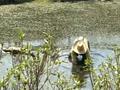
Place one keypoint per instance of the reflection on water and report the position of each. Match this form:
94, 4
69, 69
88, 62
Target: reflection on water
98, 56
80, 74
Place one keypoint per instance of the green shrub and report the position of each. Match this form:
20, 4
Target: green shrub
27, 72
108, 75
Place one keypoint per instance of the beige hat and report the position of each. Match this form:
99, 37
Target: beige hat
80, 45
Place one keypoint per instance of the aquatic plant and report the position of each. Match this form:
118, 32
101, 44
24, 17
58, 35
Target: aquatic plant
107, 77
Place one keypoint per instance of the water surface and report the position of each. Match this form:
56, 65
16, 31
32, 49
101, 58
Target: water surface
100, 50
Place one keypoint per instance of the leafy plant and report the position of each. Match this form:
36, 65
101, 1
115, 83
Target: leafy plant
28, 71
107, 77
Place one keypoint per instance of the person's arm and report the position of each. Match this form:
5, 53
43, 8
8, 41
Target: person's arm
89, 45
69, 57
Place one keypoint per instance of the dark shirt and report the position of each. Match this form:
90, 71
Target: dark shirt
78, 59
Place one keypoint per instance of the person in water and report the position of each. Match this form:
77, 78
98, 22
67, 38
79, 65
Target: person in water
79, 51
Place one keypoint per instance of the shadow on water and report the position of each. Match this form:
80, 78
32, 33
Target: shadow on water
80, 74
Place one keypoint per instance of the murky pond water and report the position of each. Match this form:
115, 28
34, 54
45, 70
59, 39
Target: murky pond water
101, 48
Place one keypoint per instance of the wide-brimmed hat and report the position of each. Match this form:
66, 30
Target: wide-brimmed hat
80, 45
